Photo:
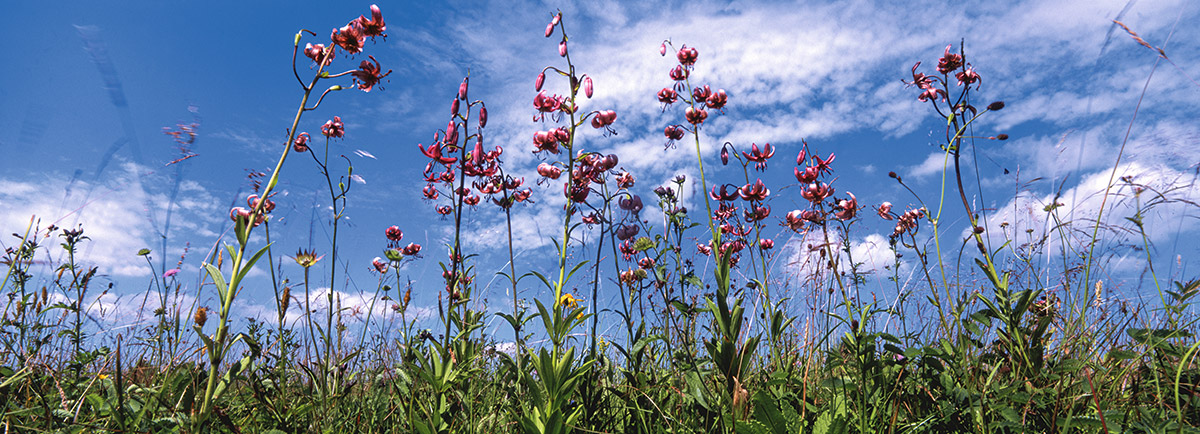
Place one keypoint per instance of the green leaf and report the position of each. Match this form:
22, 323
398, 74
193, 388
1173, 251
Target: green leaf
751, 427
250, 264
696, 388
208, 342
766, 411
1122, 355
218, 280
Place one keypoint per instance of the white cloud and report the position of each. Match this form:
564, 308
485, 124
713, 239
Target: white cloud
114, 215
803, 261
1167, 202
819, 72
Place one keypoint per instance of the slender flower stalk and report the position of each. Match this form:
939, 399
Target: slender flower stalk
246, 220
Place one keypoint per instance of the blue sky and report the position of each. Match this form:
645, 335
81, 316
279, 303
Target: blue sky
829, 73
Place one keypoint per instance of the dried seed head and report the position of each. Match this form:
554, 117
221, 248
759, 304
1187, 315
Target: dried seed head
201, 316
285, 299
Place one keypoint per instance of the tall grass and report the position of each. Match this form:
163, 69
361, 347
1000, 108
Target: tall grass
710, 336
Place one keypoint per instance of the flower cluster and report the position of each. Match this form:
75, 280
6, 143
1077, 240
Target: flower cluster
934, 88
809, 173
700, 99
393, 254
589, 168
354, 34
351, 38
905, 223
255, 212
584, 169
483, 165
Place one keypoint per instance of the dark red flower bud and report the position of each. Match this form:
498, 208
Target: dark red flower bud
587, 86
673, 132
717, 100
462, 90
394, 233
454, 107
687, 56
996, 106
334, 128
549, 171
317, 52
301, 143
679, 73
541, 79
667, 96
949, 61
412, 249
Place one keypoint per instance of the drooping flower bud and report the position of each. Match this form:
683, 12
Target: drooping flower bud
454, 107
462, 90
549, 29
996, 106
562, 49
483, 117
541, 79
587, 86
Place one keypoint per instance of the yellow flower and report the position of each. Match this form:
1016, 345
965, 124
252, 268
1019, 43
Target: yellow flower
569, 301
